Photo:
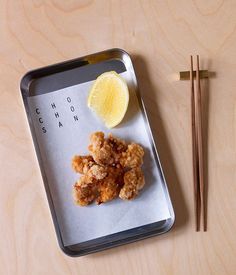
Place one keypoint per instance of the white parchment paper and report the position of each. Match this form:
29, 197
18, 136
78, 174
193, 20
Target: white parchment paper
63, 124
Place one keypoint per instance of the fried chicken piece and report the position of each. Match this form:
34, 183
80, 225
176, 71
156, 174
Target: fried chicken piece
133, 183
103, 183
106, 151
112, 170
110, 186
108, 190
86, 188
84, 192
104, 155
118, 145
96, 172
81, 164
133, 156
96, 141
99, 149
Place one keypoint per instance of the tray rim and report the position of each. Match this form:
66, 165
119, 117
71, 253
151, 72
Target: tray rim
25, 83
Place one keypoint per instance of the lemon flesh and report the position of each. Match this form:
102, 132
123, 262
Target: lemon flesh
109, 98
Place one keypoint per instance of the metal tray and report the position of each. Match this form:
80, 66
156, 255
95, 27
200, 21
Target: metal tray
53, 81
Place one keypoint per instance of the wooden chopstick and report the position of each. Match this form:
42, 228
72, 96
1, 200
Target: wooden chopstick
200, 146
194, 151
197, 149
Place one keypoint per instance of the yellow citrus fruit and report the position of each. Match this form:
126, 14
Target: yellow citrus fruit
109, 98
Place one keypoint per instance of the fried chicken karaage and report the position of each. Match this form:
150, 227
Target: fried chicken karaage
84, 192
81, 164
110, 186
133, 156
133, 182
106, 151
113, 169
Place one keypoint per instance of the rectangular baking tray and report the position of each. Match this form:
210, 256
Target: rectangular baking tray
53, 80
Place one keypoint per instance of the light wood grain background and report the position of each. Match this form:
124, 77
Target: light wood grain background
160, 35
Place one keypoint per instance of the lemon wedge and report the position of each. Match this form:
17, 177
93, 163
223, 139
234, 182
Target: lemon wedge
109, 98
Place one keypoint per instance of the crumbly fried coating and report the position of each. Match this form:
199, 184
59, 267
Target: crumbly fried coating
108, 190
133, 183
96, 141
133, 156
84, 192
112, 170
118, 145
100, 183
96, 172
110, 186
106, 151
99, 149
81, 164
104, 155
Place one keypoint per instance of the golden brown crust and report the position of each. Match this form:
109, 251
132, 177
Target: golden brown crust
118, 145
133, 182
106, 151
108, 190
81, 164
99, 149
133, 156
109, 187
96, 172
112, 170
84, 192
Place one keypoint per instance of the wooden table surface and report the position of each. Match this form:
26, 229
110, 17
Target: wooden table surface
160, 36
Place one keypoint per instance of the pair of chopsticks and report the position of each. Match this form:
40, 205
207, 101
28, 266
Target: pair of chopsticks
197, 149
